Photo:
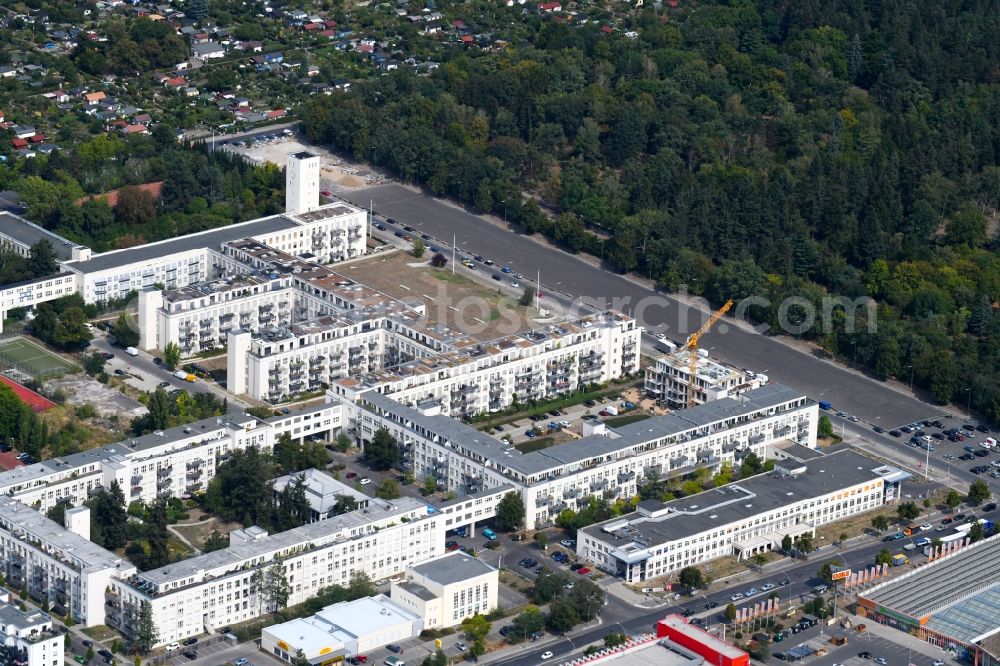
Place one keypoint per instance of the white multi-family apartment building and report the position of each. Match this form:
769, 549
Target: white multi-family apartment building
28, 639
744, 518
167, 463
668, 379
490, 376
608, 462
53, 562
228, 586
331, 233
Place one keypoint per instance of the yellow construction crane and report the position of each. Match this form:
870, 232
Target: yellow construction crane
692, 347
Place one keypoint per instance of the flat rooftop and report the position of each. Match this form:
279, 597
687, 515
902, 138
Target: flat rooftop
28, 233
204, 566
452, 568
658, 522
17, 518
211, 239
959, 594
342, 623
555, 458
678, 623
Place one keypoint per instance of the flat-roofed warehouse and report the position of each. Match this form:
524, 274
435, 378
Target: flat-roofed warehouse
952, 602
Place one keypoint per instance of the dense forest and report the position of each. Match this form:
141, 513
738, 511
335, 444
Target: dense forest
201, 189
762, 147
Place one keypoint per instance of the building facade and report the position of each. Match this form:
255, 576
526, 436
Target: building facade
28, 639
52, 562
341, 631
449, 589
668, 379
166, 463
744, 518
610, 462
230, 586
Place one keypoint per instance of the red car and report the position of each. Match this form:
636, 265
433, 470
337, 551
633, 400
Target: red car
583, 571
326, 193
352, 475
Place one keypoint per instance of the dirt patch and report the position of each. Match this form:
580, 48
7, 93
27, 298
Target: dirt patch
107, 401
334, 169
451, 299
198, 532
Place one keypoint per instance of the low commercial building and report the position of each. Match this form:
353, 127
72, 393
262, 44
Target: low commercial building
446, 590
228, 586
51, 562
952, 602
28, 639
714, 651
744, 518
611, 462
326, 495
669, 381
342, 630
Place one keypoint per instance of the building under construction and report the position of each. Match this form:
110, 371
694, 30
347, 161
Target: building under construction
669, 378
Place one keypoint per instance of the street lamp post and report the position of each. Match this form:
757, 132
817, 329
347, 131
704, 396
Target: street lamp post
968, 404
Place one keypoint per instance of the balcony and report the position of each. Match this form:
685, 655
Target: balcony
193, 474
195, 464
136, 479
192, 487
164, 471
163, 483
626, 477
600, 484
163, 494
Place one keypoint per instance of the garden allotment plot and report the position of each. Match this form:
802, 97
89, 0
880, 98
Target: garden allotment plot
22, 359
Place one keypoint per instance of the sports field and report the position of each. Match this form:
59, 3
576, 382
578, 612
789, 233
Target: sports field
29, 359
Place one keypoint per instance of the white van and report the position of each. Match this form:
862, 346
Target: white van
131, 351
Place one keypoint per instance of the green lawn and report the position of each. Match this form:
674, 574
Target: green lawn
536, 444
32, 359
618, 421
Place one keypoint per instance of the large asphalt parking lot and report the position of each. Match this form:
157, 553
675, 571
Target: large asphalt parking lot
565, 273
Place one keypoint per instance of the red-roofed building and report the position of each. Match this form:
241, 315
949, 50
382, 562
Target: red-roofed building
713, 650
175, 82
38, 138
136, 129
19, 143
330, 24
467, 39
550, 7
458, 23
607, 29
310, 27
276, 113
111, 198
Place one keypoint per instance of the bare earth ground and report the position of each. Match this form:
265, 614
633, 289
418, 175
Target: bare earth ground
107, 401
334, 168
452, 299
198, 528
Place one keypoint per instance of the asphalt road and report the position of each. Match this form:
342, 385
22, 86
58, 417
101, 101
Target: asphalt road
570, 275
944, 463
147, 375
795, 583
